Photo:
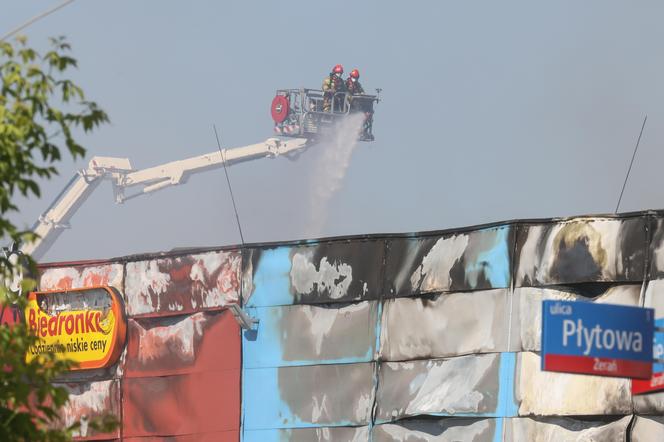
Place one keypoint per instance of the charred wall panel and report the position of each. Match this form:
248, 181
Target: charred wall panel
308, 396
328, 272
439, 430
91, 400
320, 434
307, 368
649, 404
80, 276
656, 248
652, 403
589, 260
444, 325
654, 296
568, 394
161, 346
581, 250
468, 385
312, 334
183, 355
183, 284
476, 260
565, 429
391, 338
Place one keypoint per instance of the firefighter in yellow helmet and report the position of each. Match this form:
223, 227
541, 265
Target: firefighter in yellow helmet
332, 84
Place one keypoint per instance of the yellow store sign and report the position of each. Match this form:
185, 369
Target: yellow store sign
87, 326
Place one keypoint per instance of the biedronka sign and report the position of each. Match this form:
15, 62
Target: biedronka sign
87, 326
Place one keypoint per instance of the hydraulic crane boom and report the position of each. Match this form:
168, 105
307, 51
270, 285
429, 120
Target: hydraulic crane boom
119, 171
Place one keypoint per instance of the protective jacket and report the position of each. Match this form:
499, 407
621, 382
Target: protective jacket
333, 84
354, 87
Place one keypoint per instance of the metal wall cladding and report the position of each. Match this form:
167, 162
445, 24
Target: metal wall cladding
648, 429
567, 394
182, 376
308, 396
464, 385
528, 307
445, 325
656, 248
566, 430
216, 436
425, 337
654, 296
321, 434
93, 393
203, 341
581, 250
328, 272
309, 363
180, 405
474, 260
652, 403
91, 400
183, 284
439, 430
81, 276
179, 375
312, 334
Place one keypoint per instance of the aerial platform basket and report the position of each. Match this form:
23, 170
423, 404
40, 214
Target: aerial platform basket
301, 112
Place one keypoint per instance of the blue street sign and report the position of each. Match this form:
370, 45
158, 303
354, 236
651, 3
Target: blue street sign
656, 382
599, 339
658, 347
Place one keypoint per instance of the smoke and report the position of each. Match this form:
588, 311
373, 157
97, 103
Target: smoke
334, 151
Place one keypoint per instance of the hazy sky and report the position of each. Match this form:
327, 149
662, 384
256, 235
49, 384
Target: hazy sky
491, 111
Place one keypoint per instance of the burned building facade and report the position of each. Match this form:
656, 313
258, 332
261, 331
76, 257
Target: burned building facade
430, 336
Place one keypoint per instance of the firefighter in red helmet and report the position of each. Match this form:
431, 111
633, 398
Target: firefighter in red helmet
353, 85
333, 84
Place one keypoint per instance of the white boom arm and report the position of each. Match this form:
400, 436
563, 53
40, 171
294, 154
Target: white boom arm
118, 170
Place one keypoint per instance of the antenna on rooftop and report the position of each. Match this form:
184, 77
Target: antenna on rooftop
228, 181
630, 164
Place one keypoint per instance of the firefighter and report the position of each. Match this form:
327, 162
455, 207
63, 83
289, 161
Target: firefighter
353, 85
332, 84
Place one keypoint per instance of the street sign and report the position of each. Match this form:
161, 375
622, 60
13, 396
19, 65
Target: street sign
656, 382
598, 339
